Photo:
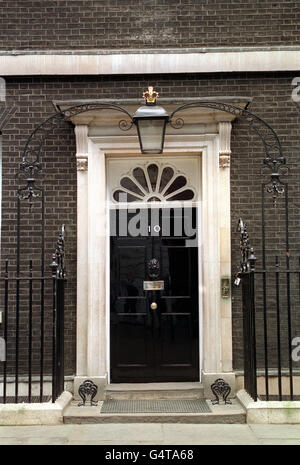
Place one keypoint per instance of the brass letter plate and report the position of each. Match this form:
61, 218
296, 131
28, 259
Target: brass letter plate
154, 285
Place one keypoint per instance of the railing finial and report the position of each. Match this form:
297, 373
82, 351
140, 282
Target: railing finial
247, 252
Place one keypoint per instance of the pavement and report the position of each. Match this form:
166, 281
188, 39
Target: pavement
151, 434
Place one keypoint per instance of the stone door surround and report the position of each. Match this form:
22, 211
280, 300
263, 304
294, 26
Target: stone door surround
212, 145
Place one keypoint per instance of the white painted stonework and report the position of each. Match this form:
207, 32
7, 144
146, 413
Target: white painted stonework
95, 154
47, 413
68, 62
270, 412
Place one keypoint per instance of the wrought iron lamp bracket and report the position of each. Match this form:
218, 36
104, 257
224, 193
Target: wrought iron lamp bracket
274, 158
31, 166
39, 135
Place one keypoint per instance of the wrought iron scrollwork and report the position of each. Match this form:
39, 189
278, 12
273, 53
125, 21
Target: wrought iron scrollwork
274, 158
29, 192
124, 125
220, 388
29, 170
248, 258
87, 388
177, 124
30, 166
36, 139
275, 186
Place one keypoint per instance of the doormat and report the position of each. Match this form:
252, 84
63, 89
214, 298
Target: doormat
155, 406
21, 399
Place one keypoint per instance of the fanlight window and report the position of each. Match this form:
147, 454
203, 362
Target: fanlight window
153, 183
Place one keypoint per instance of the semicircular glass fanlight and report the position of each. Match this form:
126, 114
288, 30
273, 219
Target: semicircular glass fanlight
153, 183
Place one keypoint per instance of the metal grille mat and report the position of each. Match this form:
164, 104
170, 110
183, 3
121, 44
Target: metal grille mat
155, 406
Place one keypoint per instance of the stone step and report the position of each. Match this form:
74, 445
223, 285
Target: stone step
217, 414
154, 391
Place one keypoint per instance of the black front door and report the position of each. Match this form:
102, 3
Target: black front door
154, 332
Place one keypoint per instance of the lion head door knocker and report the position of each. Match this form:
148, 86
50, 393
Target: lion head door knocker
87, 388
153, 268
220, 388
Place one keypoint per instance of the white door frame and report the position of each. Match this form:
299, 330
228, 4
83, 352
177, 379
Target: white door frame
195, 183
92, 310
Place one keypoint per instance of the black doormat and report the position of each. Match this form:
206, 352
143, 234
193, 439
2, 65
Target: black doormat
155, 406
34, 399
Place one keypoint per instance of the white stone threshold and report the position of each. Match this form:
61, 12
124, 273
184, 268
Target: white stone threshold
153, 386
269, 412
46, 413
111, 62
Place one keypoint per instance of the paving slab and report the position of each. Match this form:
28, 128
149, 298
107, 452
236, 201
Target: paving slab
129, 434
209, 434
276, 442
151, 434
276, 431
116, 432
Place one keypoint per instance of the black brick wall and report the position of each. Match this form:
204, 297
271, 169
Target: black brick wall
117, 24
271, 95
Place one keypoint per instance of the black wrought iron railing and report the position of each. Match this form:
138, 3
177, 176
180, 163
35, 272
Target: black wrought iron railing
271, 325
32, 331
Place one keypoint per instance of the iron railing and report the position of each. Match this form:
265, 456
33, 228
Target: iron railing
271, 325
32, 331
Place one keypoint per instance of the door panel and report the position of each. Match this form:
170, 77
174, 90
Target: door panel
160, 344
130, 319
176, 266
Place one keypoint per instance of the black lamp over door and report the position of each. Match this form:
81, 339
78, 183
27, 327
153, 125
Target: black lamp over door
151, 120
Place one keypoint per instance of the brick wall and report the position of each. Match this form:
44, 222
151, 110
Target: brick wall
271, 100
105, 24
